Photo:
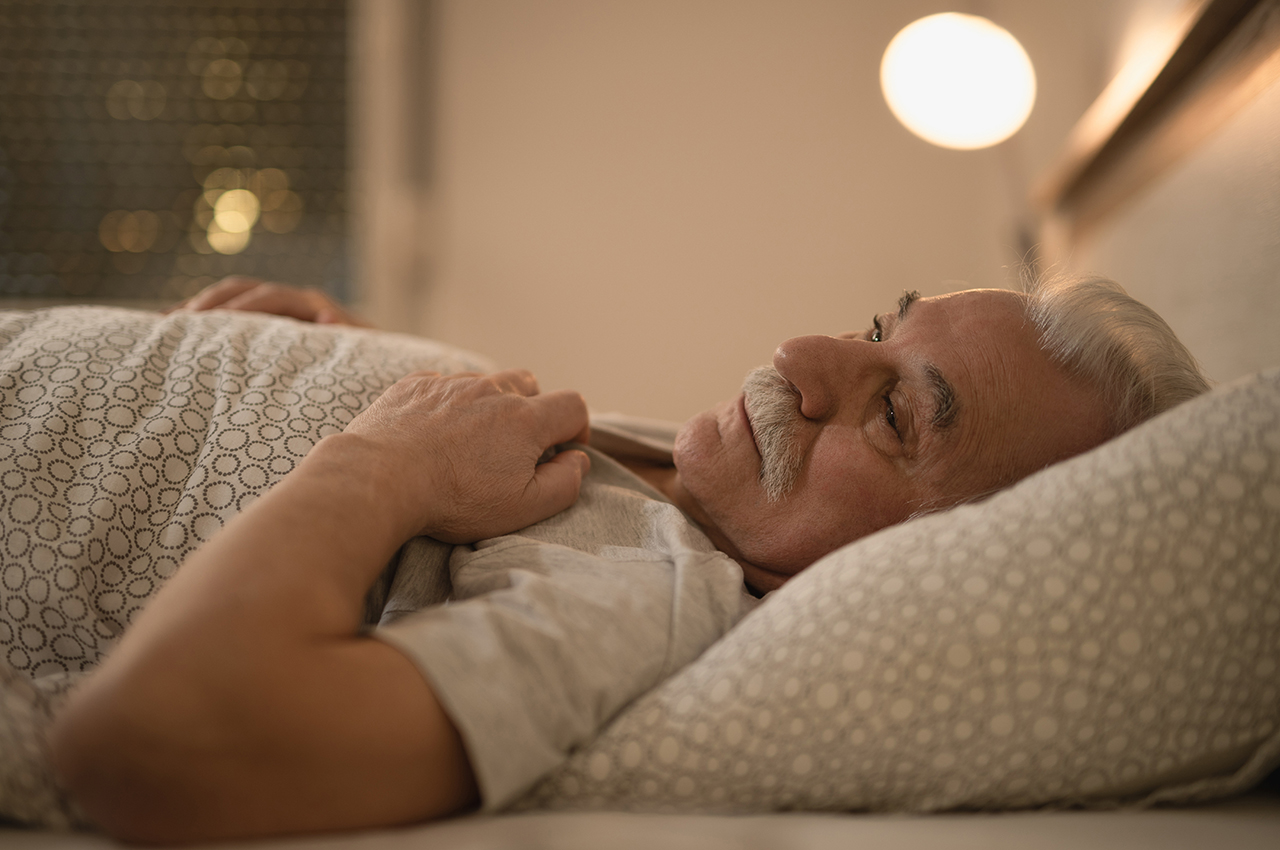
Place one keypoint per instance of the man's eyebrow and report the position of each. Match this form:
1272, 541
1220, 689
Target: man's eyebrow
904, 303
945, 405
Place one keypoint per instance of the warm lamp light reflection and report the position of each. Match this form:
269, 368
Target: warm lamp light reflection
958, 81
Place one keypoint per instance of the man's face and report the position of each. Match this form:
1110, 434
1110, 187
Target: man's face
942, 400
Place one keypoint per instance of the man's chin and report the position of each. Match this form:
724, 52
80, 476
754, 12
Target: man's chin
682, 440
697, 441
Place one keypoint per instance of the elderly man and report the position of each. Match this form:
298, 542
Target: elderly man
251, 697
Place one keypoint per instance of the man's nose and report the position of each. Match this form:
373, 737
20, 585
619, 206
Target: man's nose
826, 370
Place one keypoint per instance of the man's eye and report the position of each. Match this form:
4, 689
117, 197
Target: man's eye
891, 416
878, 333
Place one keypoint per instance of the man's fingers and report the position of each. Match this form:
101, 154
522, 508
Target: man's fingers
519, 381
252, 295
555, 485
563, 414
215, 293
278, 301
220, 292
331, 314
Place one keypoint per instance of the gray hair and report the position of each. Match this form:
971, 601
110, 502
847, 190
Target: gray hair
1104, 337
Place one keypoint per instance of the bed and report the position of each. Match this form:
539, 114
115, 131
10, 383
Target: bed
1090, 659
1246, 824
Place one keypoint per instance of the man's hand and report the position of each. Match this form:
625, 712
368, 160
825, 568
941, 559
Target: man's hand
259, 296
459, 454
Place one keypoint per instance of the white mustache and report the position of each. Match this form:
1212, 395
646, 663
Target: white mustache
773, 407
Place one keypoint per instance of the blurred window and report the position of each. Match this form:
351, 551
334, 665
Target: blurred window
150, 147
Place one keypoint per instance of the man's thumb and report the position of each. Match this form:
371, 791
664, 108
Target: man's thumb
556, 483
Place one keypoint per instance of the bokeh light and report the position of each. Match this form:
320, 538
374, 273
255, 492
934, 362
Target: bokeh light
236, 211
132, 99
233, 200
122, 230
958, 81
221, 79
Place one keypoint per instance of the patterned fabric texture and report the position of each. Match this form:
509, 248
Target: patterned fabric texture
1106, 631
126, 440
28, 793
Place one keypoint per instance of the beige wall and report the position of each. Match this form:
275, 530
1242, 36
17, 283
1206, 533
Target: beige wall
641, 199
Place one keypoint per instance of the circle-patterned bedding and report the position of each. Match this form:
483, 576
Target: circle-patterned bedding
126, 440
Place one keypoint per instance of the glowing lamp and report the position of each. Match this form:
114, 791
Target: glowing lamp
958, 81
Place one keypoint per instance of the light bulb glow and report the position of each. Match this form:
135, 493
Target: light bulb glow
236, 211
958, 81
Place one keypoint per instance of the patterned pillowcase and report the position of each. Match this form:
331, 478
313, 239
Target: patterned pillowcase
1107, 630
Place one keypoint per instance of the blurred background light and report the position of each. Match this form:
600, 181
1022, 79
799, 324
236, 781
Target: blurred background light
958, 81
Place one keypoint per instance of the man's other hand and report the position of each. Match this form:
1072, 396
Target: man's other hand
459, 454
259, 296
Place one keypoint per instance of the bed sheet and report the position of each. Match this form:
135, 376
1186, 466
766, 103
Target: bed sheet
1247, 823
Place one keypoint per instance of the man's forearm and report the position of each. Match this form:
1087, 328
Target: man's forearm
301, 558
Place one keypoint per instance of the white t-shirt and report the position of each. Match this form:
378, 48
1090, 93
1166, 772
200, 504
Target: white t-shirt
551, 631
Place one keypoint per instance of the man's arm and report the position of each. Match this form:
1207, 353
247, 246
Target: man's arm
244, 701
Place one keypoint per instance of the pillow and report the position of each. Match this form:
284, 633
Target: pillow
1107, 630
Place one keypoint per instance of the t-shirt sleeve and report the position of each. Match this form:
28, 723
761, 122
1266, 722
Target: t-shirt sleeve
556, 641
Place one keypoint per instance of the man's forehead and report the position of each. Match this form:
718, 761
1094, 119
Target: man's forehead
983, 332
992, 319
1002, 301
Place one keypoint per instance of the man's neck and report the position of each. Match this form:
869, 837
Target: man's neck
666, 480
